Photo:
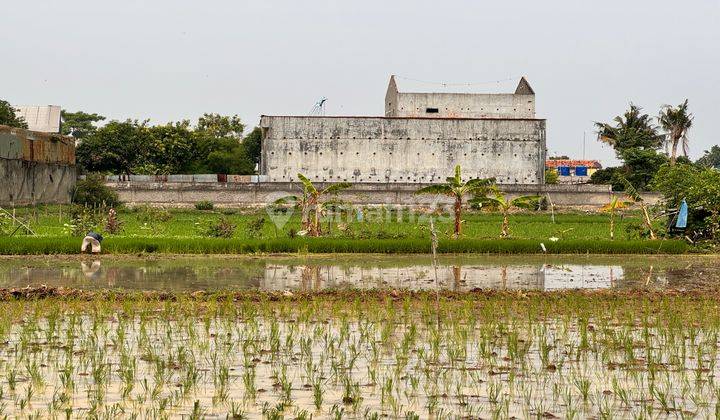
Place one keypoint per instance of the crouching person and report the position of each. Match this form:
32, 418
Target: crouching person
91, 243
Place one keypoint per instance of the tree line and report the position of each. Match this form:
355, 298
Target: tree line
214, 144
639, 142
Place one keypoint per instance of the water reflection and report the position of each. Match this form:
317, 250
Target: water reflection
397, 272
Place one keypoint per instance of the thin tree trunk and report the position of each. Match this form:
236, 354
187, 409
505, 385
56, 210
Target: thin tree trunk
646, 218
612, 224
673, 157
458, 215
505, 225
317, 227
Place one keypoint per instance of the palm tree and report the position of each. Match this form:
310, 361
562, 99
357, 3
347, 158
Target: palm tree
633, 129
634, 195
676, 121
499, 200
454, 187
312, 199
610, 208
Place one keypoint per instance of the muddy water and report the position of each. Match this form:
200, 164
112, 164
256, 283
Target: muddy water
460, 273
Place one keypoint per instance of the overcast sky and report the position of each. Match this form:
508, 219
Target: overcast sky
175, 59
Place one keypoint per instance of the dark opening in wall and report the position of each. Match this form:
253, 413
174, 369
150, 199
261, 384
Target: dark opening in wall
432, 110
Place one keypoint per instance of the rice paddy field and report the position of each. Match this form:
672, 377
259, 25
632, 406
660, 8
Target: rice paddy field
313, 333
372, 223
351, 354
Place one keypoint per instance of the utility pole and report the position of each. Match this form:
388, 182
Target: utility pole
583, 154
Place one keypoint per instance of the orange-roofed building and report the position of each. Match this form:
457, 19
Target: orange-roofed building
572, 170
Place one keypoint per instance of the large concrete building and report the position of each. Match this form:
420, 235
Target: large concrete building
419, 140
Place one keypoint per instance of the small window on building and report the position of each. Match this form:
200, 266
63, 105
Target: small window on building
432, 110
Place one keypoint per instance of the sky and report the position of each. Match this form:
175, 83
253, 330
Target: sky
167, 60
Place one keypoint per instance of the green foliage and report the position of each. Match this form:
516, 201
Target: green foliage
8, 117
83, 219
79, 124
6, 224
640, 168
252, 145
117, 147
710, 158
254, 227
220, 126
149, 215
311, 200
222, 228
635, 140
93, 192
551, 176
676, 121
455, 187
641, 165
132, 147
632, 130
700, 187
204, 205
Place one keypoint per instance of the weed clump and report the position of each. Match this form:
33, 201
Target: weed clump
204, 205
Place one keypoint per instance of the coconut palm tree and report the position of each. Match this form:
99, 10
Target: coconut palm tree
499, 200
633, 129
611, 208
312, 199
457, 189
676, 121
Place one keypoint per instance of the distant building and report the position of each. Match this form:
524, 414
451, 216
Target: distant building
420, 139
43, 118
572, 171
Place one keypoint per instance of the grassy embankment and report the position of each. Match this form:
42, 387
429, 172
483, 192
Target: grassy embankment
184, 231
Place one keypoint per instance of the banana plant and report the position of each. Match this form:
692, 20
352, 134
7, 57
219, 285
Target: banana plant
457, 189
504, 204
611, 208
313, 201
635, 196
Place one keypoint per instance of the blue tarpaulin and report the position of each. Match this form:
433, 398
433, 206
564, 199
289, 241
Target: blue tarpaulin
682, 215
581, 171
564, 170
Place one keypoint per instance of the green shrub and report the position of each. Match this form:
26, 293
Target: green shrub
149, 215
204, 205
551, 176
223, 228
255, 227
83, 220
93, 192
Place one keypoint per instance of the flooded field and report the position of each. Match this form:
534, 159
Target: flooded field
648, 351
457, 273
503, 356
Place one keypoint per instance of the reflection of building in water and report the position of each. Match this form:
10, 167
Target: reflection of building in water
532, 277
581, 276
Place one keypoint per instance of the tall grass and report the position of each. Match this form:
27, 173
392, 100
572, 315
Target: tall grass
126, 245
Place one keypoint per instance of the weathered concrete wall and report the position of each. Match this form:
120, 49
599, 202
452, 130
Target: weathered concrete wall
463, 105
35, 167
399, 150
521, 104
229, 194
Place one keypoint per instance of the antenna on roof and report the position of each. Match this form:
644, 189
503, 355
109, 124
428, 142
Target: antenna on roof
319, 108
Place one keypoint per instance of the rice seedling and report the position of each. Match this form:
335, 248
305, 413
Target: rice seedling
568, 354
